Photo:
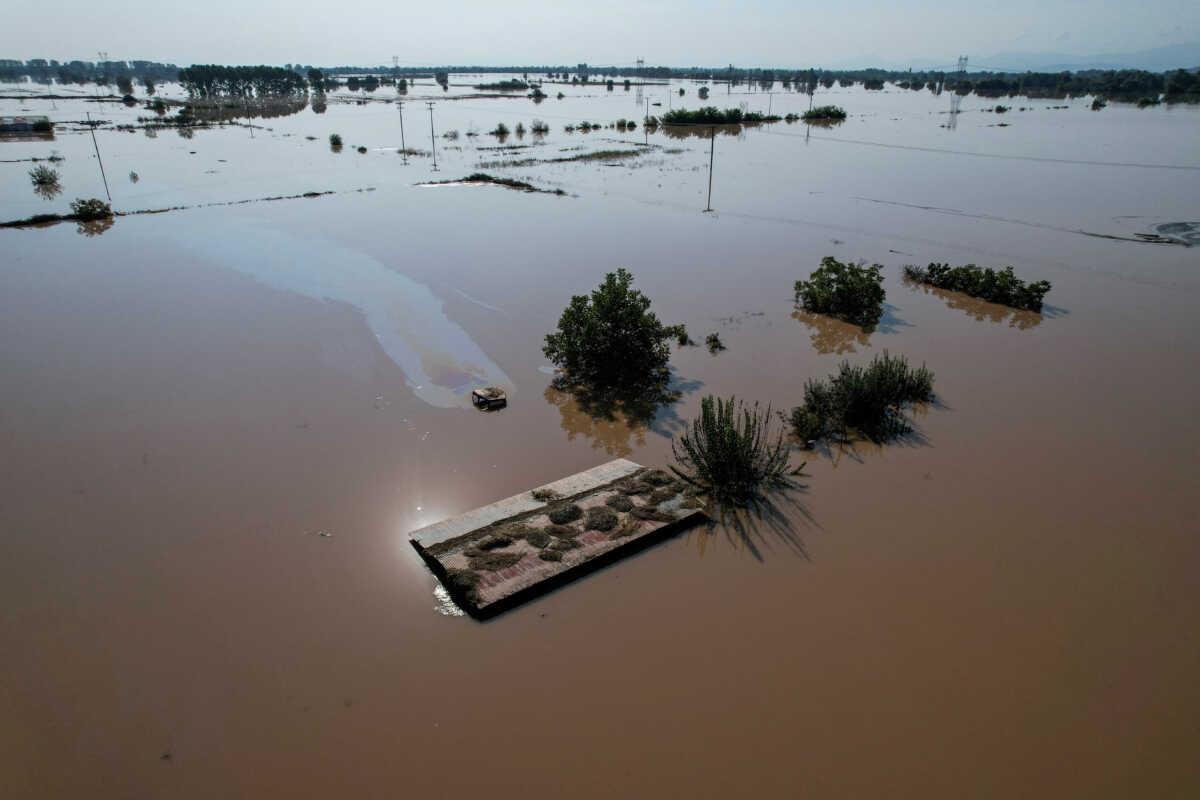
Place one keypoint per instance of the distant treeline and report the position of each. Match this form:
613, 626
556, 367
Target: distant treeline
1115, 84
214, 80
43, 70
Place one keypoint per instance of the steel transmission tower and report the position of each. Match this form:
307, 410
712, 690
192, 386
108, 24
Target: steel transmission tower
956, 98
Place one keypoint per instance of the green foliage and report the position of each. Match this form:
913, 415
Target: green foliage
520, 129
1148, 101
43, 126
703, 92
831, 113
729, 453
1098, 104
997, 286
125, 84
867, 400
1182, 83
41, 175
335, 140
679, 332
611, 343
500, 130
214, 80
714, 343
709, 115
513, 85
88, 210
539, 127
852, 292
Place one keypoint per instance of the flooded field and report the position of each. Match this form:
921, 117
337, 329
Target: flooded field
221, 422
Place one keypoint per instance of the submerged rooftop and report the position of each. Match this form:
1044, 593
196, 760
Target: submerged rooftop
498, 556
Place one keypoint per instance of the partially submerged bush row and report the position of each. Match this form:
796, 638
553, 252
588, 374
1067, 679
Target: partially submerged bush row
81, 211
997, 286
864, 400
88, 210
513, 85
710, 115
825, 113
852, 292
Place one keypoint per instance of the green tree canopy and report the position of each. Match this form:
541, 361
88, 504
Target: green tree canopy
611, 342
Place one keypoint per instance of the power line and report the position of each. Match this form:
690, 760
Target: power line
976, 154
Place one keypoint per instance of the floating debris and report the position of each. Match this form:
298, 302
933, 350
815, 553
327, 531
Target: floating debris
489, 398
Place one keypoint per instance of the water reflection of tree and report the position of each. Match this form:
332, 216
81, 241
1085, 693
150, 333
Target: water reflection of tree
48, 191
94, 227
612, 434
229, 110
981, 310
617, 422
831, 335
700, 131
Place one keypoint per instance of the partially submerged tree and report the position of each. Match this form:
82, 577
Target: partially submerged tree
611, 344
852, 292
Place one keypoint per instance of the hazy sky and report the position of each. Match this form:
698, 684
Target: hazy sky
700, 32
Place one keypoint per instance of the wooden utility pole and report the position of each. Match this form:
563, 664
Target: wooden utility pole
432, 141
712, 149
403, 146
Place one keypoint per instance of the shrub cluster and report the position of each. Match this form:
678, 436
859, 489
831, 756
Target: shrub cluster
41, 175
710, 115
825, 113
997, 286
867, 400
88, 210
729, 454
852, 292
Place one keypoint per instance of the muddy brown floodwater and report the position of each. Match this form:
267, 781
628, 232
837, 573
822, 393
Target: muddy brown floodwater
220, 423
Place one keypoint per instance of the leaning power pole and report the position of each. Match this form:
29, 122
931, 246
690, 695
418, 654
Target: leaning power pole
92, 128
